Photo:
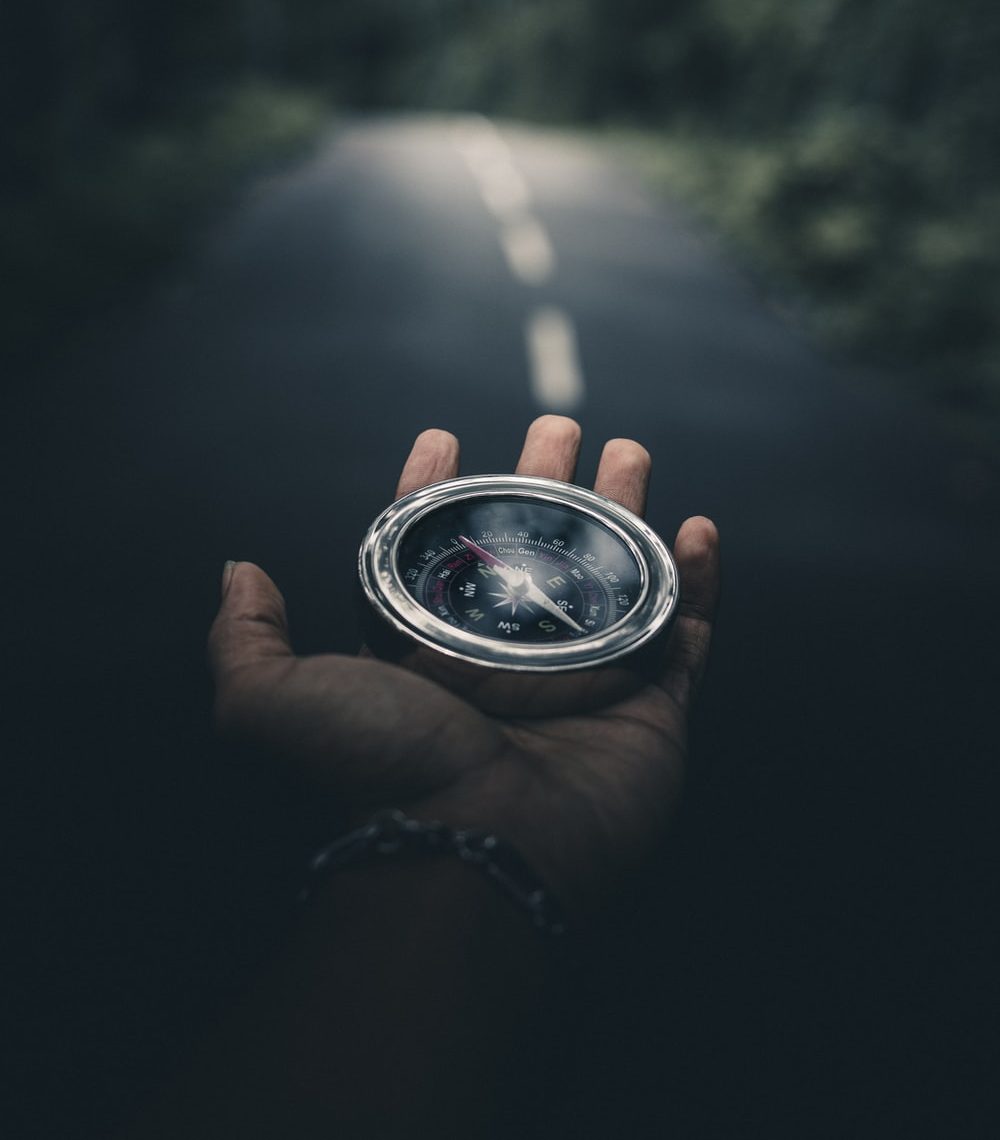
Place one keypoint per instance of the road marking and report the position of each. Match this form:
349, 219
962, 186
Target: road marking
504, 190
479, 143
526, 245
483, 152
556, 377
529, 253
553, 360
474, 130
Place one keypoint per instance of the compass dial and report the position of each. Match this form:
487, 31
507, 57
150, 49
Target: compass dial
514, 569
518, 573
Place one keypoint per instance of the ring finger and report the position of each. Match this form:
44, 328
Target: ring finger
623, 474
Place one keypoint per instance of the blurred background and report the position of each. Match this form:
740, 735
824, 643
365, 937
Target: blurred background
849, 151
252, 247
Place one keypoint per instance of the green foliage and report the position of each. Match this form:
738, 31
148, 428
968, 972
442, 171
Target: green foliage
100, 220
846, 219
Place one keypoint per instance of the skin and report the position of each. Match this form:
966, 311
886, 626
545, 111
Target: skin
411, 991
583, 794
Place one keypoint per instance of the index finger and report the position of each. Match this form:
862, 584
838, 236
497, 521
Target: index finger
433, 457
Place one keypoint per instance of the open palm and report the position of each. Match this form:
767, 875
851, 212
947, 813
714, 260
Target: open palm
582, 792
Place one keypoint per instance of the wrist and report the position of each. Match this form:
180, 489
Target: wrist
551, 853
433, 919
458, 971
391, 836
410, 971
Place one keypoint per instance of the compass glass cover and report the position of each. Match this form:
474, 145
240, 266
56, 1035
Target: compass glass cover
519, 570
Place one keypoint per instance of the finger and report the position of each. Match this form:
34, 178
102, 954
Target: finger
353, 720
366, 728
251, 625
551, 447
434, 457
623, 474
696, 552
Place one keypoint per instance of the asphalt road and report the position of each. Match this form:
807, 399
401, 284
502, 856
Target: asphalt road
809, 950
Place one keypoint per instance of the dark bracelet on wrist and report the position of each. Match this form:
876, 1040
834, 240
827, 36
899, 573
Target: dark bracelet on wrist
392, 833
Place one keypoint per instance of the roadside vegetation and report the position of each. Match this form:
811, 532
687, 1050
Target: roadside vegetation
104, 218
852, 228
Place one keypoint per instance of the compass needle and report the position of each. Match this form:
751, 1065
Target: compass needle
550, 606
571, 579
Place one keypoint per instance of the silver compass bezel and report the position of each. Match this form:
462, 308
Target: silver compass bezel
386, 592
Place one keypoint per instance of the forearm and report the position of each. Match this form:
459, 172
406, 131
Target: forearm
407, 990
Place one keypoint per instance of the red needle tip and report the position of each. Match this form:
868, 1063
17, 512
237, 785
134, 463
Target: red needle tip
485, 556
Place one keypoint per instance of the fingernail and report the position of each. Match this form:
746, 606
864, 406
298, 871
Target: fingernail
227, 575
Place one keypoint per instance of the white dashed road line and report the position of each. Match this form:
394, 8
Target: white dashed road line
504, 191
529, 252
556, 378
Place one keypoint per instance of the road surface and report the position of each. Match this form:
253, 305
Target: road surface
452, 272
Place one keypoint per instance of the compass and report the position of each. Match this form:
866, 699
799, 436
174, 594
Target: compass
518, 573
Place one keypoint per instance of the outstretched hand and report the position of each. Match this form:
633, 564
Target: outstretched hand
583, 794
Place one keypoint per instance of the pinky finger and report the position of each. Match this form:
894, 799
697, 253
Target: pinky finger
696, 552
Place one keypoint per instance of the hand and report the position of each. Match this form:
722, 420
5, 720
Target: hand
583, 795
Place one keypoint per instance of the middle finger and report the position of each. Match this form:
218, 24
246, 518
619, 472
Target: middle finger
551, 447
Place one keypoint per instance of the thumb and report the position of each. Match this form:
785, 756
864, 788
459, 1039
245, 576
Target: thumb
251, 625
